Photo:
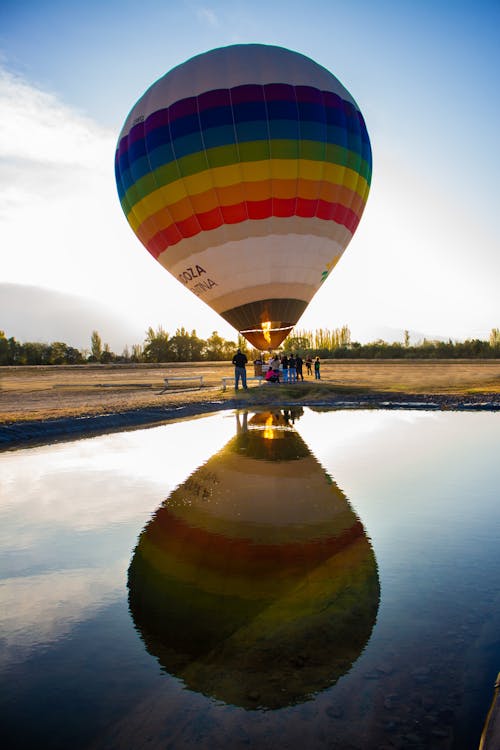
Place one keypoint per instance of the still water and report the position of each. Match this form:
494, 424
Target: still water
254, 580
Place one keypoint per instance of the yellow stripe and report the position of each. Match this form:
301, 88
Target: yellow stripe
233, 195
281, 169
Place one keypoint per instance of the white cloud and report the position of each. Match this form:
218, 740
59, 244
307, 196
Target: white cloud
208, 16
35, 126
61, 223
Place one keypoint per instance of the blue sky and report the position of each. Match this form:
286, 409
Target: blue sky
426, 254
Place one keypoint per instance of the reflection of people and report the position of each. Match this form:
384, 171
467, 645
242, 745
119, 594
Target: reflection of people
241, 426
309, 365
239, 361
316, 369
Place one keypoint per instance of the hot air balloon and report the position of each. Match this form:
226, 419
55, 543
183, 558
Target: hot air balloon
244, 172
255, 582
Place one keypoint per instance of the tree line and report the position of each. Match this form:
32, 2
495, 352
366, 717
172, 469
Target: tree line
185, 346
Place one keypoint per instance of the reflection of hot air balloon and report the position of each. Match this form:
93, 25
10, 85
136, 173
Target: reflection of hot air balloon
245, 172
255, 582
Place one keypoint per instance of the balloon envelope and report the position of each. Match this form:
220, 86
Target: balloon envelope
245, 172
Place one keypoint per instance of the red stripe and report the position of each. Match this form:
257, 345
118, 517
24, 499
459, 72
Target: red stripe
234, 214
280, 207
174, 537
260, 209
306, 208
211, 219
284, 207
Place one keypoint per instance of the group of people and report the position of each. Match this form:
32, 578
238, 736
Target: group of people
290, 368
287, 368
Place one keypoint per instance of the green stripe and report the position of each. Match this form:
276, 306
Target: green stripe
224, 156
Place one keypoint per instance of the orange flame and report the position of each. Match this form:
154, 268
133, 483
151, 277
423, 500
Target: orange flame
266, 328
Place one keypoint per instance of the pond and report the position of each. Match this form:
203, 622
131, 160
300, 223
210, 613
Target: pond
301, 579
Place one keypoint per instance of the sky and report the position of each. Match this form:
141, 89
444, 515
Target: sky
425, 256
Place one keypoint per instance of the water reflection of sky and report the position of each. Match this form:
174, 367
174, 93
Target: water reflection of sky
69, 518
423, 484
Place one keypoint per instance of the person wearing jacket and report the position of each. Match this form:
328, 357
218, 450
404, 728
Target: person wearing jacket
240, 373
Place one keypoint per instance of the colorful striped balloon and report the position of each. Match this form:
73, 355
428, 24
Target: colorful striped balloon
245, 172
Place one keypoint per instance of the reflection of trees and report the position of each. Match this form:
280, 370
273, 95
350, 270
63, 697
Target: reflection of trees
255, 582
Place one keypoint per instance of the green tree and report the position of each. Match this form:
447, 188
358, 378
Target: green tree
96, 346
243, 345
298, 343
58, 353
137, 353
157, 346
495, 338
14, 350
215, 348
4, 349
186, 347
107, 355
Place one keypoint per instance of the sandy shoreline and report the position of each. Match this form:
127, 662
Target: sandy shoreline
41, 431
46, 404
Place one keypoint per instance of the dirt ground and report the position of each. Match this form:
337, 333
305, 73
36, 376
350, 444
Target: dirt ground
41, 393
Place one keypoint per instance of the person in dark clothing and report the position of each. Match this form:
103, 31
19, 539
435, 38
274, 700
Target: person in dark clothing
284, 365
309, 365
239, 361
298, 366
317, 365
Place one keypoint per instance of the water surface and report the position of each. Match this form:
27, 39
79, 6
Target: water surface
308, 579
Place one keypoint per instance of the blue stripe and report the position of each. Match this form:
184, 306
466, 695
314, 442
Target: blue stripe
311, 128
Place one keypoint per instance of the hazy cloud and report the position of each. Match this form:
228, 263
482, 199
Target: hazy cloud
208, 16
36, 126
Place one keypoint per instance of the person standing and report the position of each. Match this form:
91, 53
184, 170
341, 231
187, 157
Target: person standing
284, 367
292, 368
309, 364
298, 366
275, 364
317, 364
240, 373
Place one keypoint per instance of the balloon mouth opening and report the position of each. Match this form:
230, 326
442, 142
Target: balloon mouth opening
268, 336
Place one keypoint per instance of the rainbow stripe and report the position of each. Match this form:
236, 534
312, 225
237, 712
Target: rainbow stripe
249, 152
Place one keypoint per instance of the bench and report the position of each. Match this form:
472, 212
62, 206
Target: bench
259, 378
181, 378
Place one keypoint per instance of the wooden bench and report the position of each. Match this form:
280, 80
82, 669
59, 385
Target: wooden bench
259, 378
182, 378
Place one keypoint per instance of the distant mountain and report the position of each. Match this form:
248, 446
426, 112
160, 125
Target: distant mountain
31, 313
